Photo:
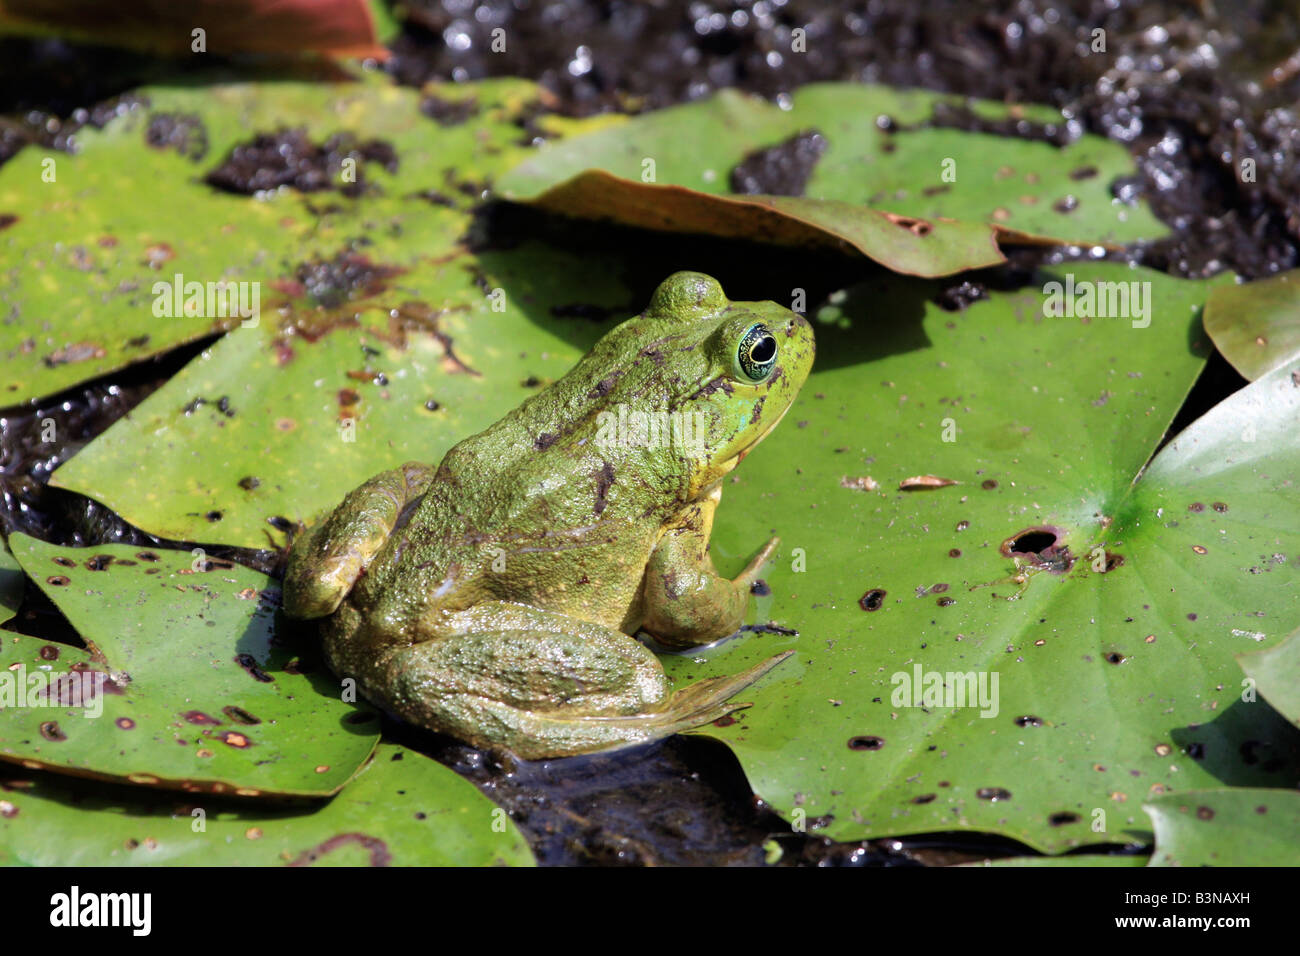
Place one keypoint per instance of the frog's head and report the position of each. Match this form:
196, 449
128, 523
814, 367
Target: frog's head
725, 372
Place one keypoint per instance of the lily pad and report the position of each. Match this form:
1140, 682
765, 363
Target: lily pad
402, 809
1226, 827
1257, 325
90, 268
926, 175
905, 244
11, 584
1106, 596
1071, 861
1276, 673
183, 684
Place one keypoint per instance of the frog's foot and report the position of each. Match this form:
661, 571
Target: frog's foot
326, 560
546, 693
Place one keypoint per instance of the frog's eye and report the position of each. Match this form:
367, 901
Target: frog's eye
756, 353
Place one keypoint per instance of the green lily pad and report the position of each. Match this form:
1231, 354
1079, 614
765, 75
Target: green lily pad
11, 584
184, 683
1028, 191
1257, 325
1226, 827
1112, 636
88, 263
402, 809
1276, 673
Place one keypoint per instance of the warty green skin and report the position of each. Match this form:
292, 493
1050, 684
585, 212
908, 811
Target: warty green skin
494, 598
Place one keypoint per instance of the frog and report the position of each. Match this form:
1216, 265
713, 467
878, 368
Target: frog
498, 598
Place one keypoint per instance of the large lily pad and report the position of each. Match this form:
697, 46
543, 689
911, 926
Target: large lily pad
1113, 641
184, 683
1257, 325
402, 809
1226, 827
925, 175
80, 255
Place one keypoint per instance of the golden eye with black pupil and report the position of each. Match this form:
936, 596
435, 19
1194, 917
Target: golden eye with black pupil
756, 353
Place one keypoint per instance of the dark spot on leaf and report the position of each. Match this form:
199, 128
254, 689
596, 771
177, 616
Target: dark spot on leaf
7, 219
99, 562
1115, 657
1066, 204
249, 664
946, 602
146, 556
1029, 720
248, 483
182, 132
50, 731
234, 739
988, 484
213, 516
199, 717
431, 405
449, 112
866, 743
917, 227
725, 721
1204, 813
65, 562
954, 553
49, 652
963, 525
125, 723
760, 588
1196, 507
1219, 506
239, 715
993, 793
872, 600
58, 580
1063, 818
938, 588
378, 849
924, 798
1083, 172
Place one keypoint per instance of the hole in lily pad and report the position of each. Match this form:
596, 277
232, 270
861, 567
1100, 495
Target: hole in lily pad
1042, 545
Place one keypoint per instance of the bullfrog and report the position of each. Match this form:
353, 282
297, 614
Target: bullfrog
495, 598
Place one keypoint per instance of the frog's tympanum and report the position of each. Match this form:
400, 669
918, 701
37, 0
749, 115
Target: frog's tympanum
495, 597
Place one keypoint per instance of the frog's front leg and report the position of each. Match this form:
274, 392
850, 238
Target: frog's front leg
686, 602
542, 684
326, 560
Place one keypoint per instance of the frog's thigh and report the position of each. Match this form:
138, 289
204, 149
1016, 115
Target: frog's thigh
534, 660
326, 560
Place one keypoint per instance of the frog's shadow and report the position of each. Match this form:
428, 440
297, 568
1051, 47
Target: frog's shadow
860, 311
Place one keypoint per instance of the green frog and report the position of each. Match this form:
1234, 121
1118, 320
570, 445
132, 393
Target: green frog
495, 598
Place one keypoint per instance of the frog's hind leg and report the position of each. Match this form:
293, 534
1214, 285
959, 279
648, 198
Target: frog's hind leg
326, 560
548, 693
